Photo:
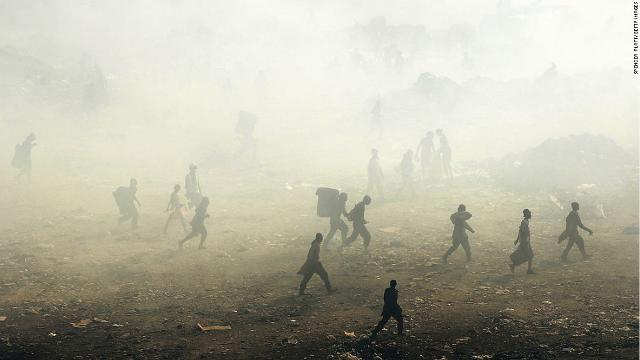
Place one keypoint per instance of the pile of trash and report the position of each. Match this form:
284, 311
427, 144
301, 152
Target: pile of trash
565, 163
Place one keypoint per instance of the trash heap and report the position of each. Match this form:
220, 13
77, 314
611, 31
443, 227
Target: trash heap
565, 163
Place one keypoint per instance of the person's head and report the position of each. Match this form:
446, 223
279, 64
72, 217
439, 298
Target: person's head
575, 206
204, 202
409, 153
31, 137
318, 237
193, 167
176, 187
343, 196
393, 283
462, 208
374, 152
429, 134
133, 182
439, 132
366, 199
526, 213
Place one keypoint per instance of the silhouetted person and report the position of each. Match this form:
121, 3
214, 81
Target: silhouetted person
391, 309
336, 222
445, 153
524, 253
359, 229
424, 154
406, 171
571, 232
127, 200
197, 224
314, 266
192, 186
459, 236
375, 176
176, 208
22, 157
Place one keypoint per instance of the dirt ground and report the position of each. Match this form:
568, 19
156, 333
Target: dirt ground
64, 260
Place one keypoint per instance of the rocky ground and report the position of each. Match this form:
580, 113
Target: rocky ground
74, 285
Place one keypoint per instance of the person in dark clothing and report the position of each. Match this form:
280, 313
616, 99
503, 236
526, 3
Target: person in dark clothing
424, 154
459, 236
375, 175
524, 253
359, 229
314, 266
197, 224
573, 222
406, 170
126, 199
176, 208
336, 222
390, 309
22, 156
445, 152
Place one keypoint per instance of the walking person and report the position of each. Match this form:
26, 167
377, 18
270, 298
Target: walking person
573, 222
445, 153
359, 229
197, 224
313, 266
391, 309
176, 209
459, 236
524, 252
375, 175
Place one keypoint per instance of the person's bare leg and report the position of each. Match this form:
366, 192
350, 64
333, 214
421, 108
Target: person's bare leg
184, 222
190, 236
166, 225
203, 237
530, 267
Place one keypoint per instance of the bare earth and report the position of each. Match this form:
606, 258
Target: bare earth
63, 260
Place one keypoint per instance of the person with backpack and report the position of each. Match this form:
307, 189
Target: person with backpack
126, 200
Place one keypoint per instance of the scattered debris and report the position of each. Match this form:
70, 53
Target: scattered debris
555, 200
390, 229
81, 324
213, 327
350, 356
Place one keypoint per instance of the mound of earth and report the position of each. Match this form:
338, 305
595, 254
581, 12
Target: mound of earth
565, 163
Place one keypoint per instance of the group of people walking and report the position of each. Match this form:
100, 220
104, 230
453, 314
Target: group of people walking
435, 165
128, 203
177, 207
459, 220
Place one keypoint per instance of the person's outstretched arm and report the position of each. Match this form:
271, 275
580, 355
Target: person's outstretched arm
468, 227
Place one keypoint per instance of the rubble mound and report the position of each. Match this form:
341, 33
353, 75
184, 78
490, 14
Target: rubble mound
565, 162
435, 86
